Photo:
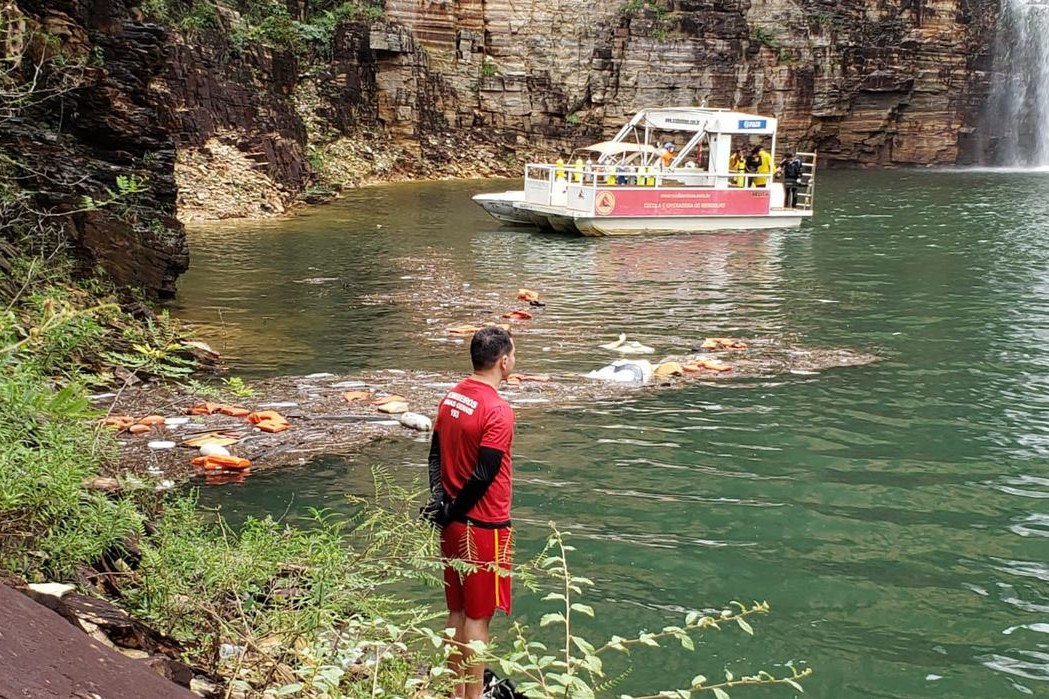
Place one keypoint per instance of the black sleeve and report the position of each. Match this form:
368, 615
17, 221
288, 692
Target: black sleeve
489, 461
434, 460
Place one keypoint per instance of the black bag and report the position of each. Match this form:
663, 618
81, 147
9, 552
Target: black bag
793, 170
495, 688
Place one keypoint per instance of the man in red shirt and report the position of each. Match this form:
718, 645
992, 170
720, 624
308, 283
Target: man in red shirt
471, 481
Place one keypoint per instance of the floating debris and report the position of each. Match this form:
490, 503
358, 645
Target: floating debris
416, 421
625, 346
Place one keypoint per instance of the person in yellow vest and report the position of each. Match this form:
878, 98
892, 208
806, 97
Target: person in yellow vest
737, 162
577, 175
764, 165
559, 169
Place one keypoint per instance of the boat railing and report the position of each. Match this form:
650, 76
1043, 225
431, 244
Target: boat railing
596, 175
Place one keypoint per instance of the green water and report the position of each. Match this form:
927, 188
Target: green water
896, 516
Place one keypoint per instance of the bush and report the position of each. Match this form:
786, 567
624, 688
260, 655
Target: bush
50, 525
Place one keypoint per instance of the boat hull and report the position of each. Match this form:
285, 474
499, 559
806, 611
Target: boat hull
502, 207
604, 226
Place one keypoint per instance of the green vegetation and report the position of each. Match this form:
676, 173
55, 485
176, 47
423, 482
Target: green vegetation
488, 68
649, 9
266, 22
765, 36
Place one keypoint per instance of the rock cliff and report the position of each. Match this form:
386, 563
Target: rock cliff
80, 119
892, 82
465, 87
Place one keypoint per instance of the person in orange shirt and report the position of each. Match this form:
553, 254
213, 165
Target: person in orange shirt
666, 155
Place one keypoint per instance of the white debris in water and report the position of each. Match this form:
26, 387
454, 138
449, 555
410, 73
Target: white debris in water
933, 678
396, 371
319, 375
213, 450
348, 384
175, 421
416, 421
161, 444
101, 396
316, 280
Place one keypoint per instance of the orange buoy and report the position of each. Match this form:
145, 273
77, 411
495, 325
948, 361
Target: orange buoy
351, 396
118, 422
218, 462
462, 330
204, 409
389, 399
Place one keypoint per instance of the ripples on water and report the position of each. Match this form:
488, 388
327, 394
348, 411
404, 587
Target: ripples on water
895, 515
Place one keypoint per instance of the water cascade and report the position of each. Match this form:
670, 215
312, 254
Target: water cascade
1018, 109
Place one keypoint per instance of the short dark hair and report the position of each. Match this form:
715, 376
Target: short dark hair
488, 345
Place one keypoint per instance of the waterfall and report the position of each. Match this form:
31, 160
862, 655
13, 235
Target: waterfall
1018, 122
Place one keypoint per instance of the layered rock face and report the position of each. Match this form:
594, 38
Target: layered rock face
91, 128
890, 82
452, 87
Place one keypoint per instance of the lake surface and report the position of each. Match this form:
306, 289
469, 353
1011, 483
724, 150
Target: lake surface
896, 516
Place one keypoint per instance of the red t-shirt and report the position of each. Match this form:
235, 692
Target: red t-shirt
473, 415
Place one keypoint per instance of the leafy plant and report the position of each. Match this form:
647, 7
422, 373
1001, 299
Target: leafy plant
201, 17
764, 36
578, 668
238, 388
154, 349
125, 199
50, 525
489, 68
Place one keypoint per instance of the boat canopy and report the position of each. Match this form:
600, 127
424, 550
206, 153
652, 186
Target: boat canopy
699, 119
618, 148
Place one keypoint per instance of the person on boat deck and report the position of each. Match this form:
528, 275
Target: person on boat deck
791, 167
737, 162
471, 485
752, 161
666, 155
764, 165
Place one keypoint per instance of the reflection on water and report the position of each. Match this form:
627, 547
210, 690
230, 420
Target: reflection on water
895, 515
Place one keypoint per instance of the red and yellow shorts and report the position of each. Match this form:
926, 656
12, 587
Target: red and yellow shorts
486, 588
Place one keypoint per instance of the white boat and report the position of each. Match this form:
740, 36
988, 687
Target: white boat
501, 207
629, 189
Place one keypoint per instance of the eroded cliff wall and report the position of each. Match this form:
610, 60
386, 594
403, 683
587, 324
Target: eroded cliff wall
863, 82
78, 113
466, 87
